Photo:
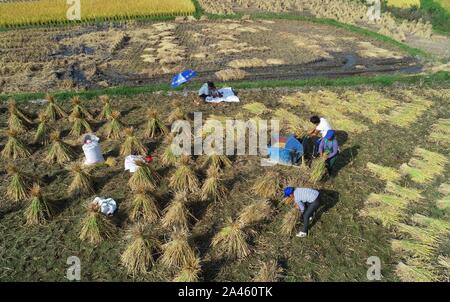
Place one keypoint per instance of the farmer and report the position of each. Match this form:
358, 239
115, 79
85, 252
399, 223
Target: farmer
329, 150
307, 201
321, 127
209, 90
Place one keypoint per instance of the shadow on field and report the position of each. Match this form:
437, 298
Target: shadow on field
345, 157
9, 210
328, 199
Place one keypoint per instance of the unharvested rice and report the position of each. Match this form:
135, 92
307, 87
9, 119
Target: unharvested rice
44, 11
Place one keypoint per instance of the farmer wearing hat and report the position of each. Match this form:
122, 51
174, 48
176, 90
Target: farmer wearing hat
329, 149
307, 201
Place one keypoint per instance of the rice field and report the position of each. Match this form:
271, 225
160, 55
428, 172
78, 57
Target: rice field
226, 218
404, 3
53, 11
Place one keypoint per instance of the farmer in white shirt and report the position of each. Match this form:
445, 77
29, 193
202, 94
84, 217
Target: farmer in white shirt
307, 201
209, 90
321, 127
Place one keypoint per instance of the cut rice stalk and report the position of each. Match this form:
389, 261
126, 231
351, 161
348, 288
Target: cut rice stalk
189, 272
268, 186
138, 256
79, 125
254, 213
15, 123
79, 110
231, 242
411, 273
216, 161
439, 227
177, 253
384, 173
393, 201
53, 111
318, 170
95, 227
176, 214
269, 272
421, 234
14, 147
441, 132
168, 157
59, 152
177, 115
154, 125
184, 178
81, 179
289, 222
445, 188
42, 135
444, 261
444, 203
256, 108
144, 179
113, 128
143, 208
406, 193
213, 187
39, 209
132, 145
107, 109
413, 248
12, 108
388, 216
19, 184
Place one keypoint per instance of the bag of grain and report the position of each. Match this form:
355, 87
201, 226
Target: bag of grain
92, 150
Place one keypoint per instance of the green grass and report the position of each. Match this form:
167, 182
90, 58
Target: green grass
438, 78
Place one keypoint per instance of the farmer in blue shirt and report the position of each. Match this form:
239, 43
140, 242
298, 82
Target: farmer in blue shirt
307, 201
329, 149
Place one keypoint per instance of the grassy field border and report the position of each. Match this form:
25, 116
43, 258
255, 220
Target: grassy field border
438, 78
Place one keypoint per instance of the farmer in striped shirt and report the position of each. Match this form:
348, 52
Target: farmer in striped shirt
307, 201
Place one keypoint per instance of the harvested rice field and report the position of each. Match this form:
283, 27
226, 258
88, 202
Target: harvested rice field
382, 200
412, 30
137, 53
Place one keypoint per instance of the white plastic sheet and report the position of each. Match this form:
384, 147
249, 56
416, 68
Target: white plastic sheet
130, 162
107, 205
228, 96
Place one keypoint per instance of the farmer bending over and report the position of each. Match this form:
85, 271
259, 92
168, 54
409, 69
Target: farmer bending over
329, 150
307, 201
209, 90
321, 127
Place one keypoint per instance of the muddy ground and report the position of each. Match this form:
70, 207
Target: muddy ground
340, 240
133, 54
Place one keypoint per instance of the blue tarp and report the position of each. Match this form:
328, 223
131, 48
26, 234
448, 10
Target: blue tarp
290, 154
